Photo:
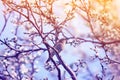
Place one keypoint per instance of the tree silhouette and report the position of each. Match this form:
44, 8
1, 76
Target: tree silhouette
32, 28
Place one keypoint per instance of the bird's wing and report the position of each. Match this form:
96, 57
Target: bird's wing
58, 47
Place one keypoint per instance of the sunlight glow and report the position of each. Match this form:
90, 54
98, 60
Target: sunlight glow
68, 8
30, 1
117, 4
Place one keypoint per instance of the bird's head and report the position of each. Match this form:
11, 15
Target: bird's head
62, 41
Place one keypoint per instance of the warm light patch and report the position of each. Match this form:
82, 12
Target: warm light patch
30, 1
116, 3
68, 8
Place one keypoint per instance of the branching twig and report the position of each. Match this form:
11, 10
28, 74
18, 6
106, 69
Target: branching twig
68, 69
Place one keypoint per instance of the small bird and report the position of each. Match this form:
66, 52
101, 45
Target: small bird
59, 46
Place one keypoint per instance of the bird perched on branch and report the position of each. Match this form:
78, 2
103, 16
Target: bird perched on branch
59, 46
